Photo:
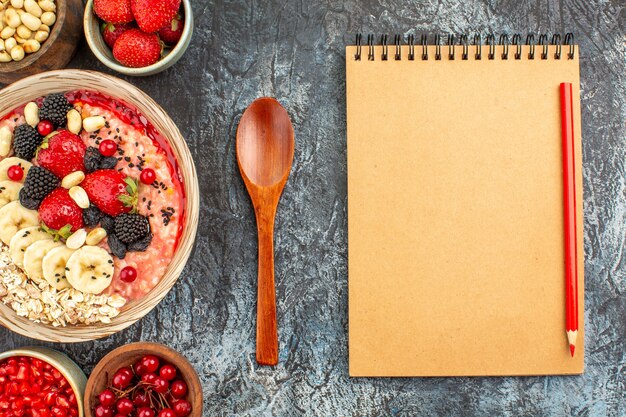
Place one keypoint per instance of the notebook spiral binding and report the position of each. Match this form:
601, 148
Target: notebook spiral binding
490, 43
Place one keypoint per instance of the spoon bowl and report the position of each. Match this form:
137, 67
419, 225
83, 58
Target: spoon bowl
265, 147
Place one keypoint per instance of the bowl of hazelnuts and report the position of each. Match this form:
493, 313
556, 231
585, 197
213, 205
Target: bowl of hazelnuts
37, 35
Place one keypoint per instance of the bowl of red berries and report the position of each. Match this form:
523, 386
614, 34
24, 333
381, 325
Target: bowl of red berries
40, 382
143, 380
138, 37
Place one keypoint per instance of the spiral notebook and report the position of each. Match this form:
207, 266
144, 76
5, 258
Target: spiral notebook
455, 206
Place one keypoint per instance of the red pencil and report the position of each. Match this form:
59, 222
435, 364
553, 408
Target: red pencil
569, 204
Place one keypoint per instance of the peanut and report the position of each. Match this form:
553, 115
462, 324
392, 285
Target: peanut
17, 53
33, 8
30, 21
79, 195
93, 123
73, 179
31, 46
74, 121
23, 32
77, 239
5, 57
6, 139
48, 18
18, 4
95, 236
47, 6
40, 36
31, 113
12, 18
9, 44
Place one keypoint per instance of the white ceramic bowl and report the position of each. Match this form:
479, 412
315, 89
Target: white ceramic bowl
68, 368
104, 54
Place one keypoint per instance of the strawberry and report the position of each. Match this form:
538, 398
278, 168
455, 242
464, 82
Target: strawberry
152, 15
112, 31
62, 154
170, 34
111, 191
58, 210
136, 49
113, 11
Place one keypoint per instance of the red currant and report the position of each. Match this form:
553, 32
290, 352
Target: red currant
167, 412
178, 388
124, 406
121, 380
45, 127
15, 173
128, 274
160, 385
147, 176
182, 408
102, 411
107, 398
107, 147
145, 412
167, 372
150, 362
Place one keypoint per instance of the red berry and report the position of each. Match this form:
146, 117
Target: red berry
107, 147
148, 378
170, 34
147, 176
45, 127
121, 380
124, 406
160, 385
135, 48
167, 372
58, 209
129, 274
139, 368
106, 188
178, 388
64, 154
112, 31
152, 15
141, 399
102, 411
151, 363
114, 11
167, 412
145, 412
182, 408
126, 370
15, 173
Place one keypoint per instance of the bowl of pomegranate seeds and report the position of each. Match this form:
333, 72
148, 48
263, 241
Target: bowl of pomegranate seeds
40, 382
143, 380
138, 37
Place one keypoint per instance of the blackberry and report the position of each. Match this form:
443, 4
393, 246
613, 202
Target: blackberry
140, 245
108, 162
28, 202
91, 216
130, 228
92, 159
108, 224
118, 248
54, 109
26, 140
39, 183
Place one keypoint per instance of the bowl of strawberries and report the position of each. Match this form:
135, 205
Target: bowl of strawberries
138, 37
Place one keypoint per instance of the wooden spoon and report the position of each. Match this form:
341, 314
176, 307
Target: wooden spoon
265, 147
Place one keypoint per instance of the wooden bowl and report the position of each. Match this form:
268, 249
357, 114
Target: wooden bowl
57, 51
127, 355
104, 54
38, 85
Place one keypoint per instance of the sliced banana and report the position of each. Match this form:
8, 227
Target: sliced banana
9, 191
6, 163
33, 258
90, 269
14, 217
53, 266
23, 239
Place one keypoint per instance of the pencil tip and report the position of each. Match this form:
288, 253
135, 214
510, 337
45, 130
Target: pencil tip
571, 349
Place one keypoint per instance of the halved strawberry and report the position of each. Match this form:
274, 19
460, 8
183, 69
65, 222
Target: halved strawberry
152, 15
111, 191
62, 154
113, 11
60, 213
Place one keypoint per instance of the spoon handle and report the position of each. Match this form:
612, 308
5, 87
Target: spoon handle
266, 332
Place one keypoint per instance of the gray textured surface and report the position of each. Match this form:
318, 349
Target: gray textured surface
294, 50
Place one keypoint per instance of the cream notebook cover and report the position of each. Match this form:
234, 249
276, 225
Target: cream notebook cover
455, 213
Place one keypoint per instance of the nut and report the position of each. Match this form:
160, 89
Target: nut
18, 4
31, 113
33, 8
73, 179
95, 236
31, 46
74, 121
76, 239
5, 57
41, 35
79, 195
47, 6
17, 53
6, 140
23, 32
2, 48
44, 28
30, 21
48, 18
93, 123
10, 44
7, 32
12, 18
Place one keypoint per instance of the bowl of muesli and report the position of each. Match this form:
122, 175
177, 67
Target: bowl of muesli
98, 205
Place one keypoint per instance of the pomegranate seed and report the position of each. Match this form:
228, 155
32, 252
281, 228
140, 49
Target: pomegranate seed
178, 388
15, 173
167, 372
63, 402
147, 176
129, 274
45, 127
58, 412
107, 147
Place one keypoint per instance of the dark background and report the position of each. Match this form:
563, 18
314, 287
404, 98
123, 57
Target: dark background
294, 50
